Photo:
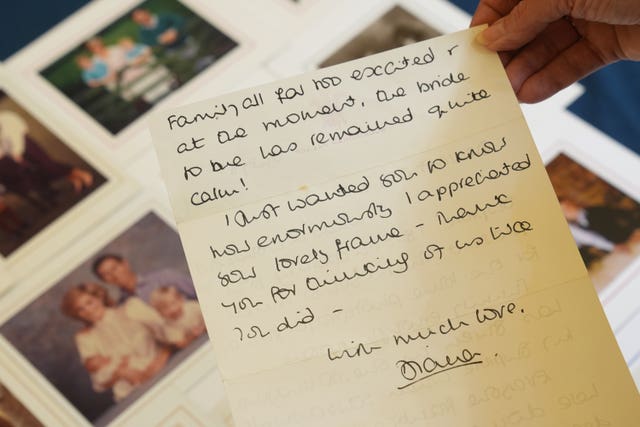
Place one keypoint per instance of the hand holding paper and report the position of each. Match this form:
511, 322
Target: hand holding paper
551, 44
377, 243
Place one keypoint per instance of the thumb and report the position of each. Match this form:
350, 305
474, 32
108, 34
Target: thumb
525, 21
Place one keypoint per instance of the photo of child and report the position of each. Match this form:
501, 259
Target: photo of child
126, 68
105, 333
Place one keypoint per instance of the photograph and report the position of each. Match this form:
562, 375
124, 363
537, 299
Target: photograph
41, 177
13, 413
125, 317
396, 28
120, 72
604, 222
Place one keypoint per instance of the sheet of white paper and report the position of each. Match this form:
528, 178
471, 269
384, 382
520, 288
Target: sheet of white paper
377, 244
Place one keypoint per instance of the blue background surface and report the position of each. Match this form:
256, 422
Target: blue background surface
611, 102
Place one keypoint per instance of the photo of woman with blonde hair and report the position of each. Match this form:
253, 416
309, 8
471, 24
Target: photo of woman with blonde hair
120, 346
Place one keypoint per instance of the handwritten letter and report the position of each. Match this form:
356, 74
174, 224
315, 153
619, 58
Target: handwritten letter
377, 244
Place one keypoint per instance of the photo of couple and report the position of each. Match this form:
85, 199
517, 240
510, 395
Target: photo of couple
41, 178
105, 333
122, 71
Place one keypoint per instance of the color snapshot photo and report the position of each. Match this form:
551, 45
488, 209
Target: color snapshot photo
122, 71
41, 177
395, 28
111, 328
604, 221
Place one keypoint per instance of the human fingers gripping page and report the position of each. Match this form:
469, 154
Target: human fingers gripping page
377, 244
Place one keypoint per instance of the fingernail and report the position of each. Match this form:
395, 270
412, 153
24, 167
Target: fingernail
490, 35
516, 79
480, 38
